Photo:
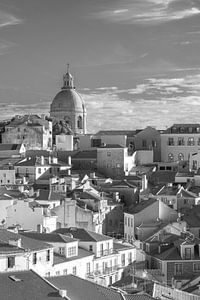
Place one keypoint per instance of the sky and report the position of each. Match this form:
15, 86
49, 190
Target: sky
135, 62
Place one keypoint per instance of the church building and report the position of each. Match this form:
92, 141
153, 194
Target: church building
68, 107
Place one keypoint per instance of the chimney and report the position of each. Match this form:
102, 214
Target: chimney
63, 293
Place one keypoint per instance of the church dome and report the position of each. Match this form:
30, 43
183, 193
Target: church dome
68, 100
68, 105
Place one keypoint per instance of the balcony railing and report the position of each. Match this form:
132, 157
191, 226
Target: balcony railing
103, 271
105, 252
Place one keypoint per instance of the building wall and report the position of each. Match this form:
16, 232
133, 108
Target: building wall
20, 262
114, 162
30, 218
71, 215
64, 142
175, 150
33, 137
42, 266
3, 208
149, 139
7, 176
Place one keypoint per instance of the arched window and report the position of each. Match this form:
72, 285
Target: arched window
180, 157
170, 157
80, 122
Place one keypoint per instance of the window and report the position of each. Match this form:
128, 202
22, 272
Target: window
88, 268
11, 262
71, 251
191, 141
198, 141
34, 258
80, 122
47, 274
128, 222
131, 222
190, 129
188, 253
196, 267
130, 257
74, 270
48, 255
61, 250
180, 157
18, 129
57, 273
65, 272
95, 142
171, 141
108, 153
39, 171
181, 141
194, 164
170, 157
101, 249
123, 259
154, 144
144, 143
125, 221
178, 269
91, 248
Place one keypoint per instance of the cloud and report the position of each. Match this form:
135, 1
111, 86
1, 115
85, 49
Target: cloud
8, 19
149, 11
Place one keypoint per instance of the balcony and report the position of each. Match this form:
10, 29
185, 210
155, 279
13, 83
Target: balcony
103, 272
105, 252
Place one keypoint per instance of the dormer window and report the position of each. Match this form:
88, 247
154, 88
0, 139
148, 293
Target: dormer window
188, 253
174, 129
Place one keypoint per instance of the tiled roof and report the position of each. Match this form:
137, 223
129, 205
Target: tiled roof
141, 206
138, 297
23, 285
49, 237
28, 120
184, 174
118, 132
59, 259
26, 243
183, 128
47, 195
122, 246
83, 234
91, 154
109, 146
8, 147
168, 191
162, 177
80, 289
7, 248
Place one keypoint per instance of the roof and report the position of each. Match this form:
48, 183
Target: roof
26, 242
122, 246
110, 146
184, 174
183, 129
48, 195
8, 147
59, 259
7, 248
117, 132
90, 154
162, 177
49, 237
83, 234
168, 190
80, 289
67, 99
26, 285
141, 206
28, 120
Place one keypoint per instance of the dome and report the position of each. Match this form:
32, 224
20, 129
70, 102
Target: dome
68, 100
